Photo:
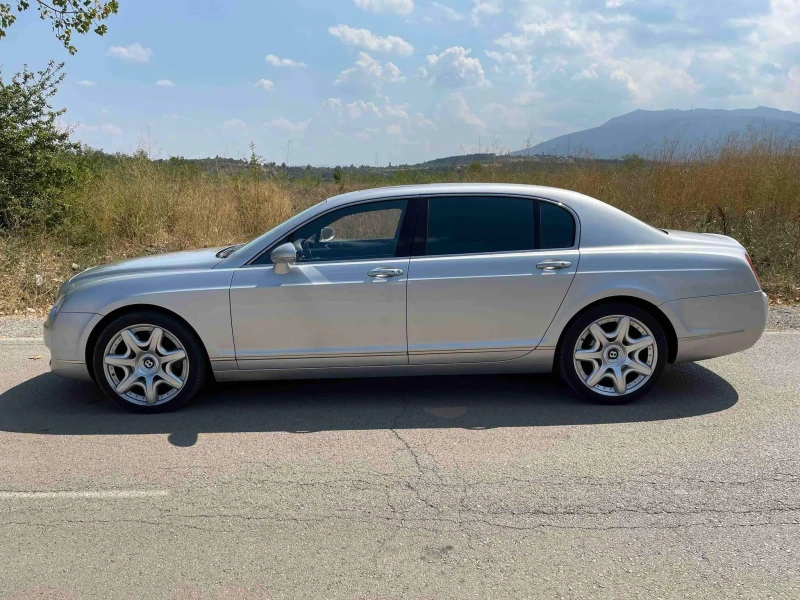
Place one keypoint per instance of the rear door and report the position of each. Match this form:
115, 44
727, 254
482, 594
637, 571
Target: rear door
486, 276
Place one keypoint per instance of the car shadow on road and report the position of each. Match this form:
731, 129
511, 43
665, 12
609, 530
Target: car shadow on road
49, 405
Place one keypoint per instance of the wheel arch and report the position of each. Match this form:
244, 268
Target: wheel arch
652, 309
128, 309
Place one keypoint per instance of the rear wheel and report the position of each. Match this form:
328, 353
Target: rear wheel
613, 353
148, 361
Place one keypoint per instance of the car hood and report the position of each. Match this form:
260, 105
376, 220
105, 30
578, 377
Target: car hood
189, 260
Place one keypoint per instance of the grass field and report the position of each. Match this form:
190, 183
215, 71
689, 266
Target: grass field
747, 187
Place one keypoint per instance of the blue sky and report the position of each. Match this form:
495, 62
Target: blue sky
402, 81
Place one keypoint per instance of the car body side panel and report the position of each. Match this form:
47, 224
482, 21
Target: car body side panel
713, 326
320, 313
656, 274
482, 308
201, 297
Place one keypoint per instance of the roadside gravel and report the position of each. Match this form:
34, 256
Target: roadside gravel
780, 318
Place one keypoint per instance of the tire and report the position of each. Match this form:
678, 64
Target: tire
148, 366
597, 369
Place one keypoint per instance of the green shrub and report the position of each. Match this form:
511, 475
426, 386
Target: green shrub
39, 165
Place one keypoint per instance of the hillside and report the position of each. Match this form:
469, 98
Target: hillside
641, 131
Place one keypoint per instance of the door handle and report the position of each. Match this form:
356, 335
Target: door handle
385, 273
553, 265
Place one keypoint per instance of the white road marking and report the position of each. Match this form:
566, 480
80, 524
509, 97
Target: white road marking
90, 495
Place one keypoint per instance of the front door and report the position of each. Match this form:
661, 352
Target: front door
342, 304
490, 277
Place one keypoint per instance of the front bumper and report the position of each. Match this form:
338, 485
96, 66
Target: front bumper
713, 326
65, 334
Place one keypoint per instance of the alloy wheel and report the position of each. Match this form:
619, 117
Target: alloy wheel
145, 364
615, 355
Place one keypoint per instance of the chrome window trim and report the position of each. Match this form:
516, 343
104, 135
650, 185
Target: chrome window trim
427, 196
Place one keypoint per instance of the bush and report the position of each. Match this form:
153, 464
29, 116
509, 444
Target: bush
38, 162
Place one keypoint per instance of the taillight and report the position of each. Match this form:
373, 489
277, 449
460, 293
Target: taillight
752, 268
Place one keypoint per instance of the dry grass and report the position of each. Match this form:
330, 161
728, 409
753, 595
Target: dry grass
131, 209
745, 186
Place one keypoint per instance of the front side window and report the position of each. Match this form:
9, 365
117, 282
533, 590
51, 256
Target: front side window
359, 232
479, 224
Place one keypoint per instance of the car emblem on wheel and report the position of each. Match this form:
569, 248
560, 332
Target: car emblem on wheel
612, 354
149, 363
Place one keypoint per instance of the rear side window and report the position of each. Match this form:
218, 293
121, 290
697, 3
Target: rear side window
479, 224
556, 227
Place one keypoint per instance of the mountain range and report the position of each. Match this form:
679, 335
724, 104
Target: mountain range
641, 131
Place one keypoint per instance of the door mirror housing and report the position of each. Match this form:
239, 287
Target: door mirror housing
327, 234
283, 257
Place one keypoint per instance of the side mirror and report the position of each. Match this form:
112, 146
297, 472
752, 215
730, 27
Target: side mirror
283, 257
327, 234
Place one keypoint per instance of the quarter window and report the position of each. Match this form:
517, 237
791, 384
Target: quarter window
557, 227
479, 224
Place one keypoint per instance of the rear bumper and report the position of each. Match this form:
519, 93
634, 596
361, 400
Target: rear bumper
717, 325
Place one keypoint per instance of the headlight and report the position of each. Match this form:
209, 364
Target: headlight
60, 295
57, 304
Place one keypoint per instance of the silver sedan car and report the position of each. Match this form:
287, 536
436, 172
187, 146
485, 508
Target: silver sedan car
415, 280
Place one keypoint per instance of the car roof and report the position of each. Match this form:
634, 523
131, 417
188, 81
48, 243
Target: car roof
539, 191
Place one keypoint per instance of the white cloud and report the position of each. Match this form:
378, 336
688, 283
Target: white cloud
111, 129
589, 72
234, 123
86, 83
513, 62
398, 111
447, 12
366, 39
133, 53
454, 68
526, 98
165, 83
394, 130
455, 106
369, 72
485, 8
284, 62
647, 79
423, 122
333, 104
265, 84
787, 98
400, 7
356, 109
286, 125
501, 115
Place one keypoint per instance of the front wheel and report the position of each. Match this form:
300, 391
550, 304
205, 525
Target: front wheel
148, 361
613, 353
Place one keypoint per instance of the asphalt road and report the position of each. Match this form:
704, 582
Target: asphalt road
464, 487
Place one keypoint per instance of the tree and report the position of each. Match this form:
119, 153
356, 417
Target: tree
66, 16
36, 155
